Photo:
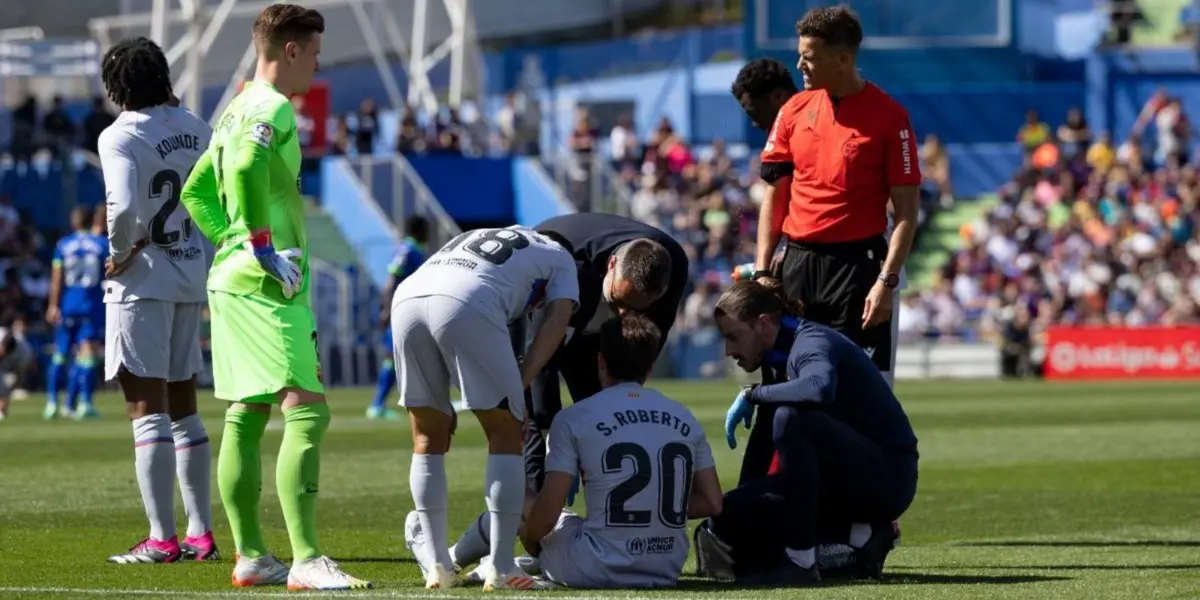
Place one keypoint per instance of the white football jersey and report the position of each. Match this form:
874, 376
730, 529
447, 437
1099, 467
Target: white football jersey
638, 451
504, 273
147, 156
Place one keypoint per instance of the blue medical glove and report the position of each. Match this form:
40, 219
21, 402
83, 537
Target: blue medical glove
741, 410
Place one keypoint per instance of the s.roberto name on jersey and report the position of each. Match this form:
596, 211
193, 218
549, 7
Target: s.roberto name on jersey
656, 417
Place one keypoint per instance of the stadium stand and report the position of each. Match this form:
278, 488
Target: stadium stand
644, 125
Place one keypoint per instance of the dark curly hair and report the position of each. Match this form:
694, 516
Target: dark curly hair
835, 25
136, 74
762, 76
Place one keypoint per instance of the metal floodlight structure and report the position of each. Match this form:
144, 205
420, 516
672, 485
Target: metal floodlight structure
212, 38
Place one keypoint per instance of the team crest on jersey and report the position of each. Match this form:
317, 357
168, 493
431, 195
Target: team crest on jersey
262, 134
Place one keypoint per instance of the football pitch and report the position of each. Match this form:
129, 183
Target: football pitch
1027, 491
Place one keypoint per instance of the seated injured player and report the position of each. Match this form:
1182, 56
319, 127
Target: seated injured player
847, 453
647, 467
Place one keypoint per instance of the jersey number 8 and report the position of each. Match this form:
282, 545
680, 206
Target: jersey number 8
673, 490
493, 245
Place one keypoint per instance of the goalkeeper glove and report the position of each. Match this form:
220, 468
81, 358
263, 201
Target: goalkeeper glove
278, 265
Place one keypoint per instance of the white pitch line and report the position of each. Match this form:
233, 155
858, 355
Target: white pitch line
264, 594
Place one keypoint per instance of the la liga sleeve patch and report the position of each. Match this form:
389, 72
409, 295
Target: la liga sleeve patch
261, 134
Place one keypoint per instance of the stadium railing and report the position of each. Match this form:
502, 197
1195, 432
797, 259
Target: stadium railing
401, 192
594, 186
332, 298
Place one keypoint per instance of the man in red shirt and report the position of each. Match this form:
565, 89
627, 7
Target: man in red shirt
837, 152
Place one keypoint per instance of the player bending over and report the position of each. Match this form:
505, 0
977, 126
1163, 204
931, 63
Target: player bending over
623, 265
647, 466
244, 196
409, 258
847, 453
154, 295
76, 309
450, 326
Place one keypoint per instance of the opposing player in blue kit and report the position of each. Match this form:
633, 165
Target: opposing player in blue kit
76, 309
409, 258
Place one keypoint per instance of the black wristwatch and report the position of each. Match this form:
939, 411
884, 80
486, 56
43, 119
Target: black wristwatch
759, 274
890, 280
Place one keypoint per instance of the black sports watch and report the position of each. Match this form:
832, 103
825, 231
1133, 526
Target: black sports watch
890, 280
759, 274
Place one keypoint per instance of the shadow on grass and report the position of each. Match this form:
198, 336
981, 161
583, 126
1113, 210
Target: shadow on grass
1089, 544
945, 579
398, 560
1174, 567
700, 586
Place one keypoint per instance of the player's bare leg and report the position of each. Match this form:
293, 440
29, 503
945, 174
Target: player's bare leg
505, 488
193, 468
431, 431
297, 479
154, 460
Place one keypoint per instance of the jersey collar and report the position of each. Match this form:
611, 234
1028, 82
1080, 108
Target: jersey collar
778, 354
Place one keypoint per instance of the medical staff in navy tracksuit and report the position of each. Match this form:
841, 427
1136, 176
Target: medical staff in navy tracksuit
847, 454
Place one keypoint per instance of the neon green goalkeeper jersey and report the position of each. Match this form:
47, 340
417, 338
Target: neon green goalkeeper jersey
248, 181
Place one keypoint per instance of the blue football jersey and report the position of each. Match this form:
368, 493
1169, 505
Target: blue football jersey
81, 256
409, 258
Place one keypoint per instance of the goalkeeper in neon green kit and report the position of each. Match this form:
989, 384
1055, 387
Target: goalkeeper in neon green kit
243, 195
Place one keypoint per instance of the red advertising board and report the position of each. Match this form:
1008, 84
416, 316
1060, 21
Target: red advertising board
1123, 353
316, 107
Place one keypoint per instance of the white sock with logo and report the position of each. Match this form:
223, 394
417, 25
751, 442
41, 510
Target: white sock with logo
154, 460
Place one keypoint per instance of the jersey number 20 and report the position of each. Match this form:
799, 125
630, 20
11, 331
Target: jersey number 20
167, 188
673, 457
493, 245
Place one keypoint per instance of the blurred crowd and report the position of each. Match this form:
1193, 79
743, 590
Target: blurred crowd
1086, 232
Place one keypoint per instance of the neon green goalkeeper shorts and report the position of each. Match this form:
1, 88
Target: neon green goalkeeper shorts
260, 346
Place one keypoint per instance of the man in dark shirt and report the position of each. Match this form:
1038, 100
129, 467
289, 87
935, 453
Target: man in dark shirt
623, 265
847, 453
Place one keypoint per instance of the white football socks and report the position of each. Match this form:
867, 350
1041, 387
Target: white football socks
805, 558
154, 460
193, 465
860, 534
504, 483
427, 481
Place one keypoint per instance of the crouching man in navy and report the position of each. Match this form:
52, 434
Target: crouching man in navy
847, 455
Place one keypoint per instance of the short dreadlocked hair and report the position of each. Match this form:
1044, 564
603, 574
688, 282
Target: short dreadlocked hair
762, 76
136, 74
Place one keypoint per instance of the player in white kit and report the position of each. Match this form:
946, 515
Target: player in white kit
450, 327
154, 295
647, 469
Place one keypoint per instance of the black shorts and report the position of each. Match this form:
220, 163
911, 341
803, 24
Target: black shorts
832, 282
573, 364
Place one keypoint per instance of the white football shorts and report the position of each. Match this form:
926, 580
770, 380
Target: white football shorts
154, 339
439, 341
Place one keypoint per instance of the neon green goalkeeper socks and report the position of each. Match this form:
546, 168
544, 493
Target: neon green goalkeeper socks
239, 477
297, 473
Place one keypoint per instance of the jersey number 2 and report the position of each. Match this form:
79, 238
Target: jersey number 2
672, 510
166, 184
493, 245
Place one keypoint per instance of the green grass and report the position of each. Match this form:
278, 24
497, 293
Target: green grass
1028, 491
